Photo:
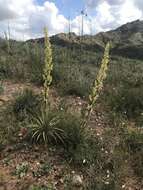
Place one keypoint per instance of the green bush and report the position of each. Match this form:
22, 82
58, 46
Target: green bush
21, 169
35, 62
79, 144
23, 63
9, 126
100, 186
123, 91
1, 87
74, 79
14, 67
26, 102
127, 101
43, 187
71, 125
134, 141
44, 169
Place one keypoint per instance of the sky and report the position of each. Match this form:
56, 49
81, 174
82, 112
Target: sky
27, 18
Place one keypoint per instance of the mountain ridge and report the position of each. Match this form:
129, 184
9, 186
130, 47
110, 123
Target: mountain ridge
127, 40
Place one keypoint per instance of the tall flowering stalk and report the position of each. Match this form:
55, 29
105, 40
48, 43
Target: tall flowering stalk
98, 85
48, 67
7, 39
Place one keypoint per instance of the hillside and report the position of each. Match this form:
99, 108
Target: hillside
59, 147
127, 40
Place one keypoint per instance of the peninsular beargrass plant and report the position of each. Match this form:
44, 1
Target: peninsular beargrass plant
97, 86
81, 146
48, 68
45, 122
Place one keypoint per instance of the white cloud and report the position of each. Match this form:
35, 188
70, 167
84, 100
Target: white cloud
109, 14
47, 15
139, 4
27, 18
93, 3
129, 12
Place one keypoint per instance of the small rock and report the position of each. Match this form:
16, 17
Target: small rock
123, 186
84, 161
37, 163
77, 180
23, 132
61, 181
79, 103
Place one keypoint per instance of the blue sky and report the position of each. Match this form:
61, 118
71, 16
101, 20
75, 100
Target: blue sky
67, 7
27, 18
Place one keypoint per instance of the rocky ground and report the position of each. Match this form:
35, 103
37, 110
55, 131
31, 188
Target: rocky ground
23, 165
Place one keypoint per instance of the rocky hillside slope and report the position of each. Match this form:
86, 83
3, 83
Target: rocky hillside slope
127, 40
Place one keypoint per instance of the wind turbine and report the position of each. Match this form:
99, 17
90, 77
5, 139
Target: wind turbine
83, 14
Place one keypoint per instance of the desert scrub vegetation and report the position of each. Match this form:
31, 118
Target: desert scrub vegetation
13, 66
71, 74
21, 169
25, 102
45, 125
101, 158
73, 79
1, 87
123, 89
53, 127
43, 187
120, 145
134, 142
9, 126
35, 60
66, 129
128, 102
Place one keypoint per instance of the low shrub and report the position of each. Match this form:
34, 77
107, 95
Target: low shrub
44, 169
1, 87
134, 142
98, 186
25, 102
8, 125
71, 125
79, 144
126, 101
42, 187
21, 169
13, 67
73, 79
35, 62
